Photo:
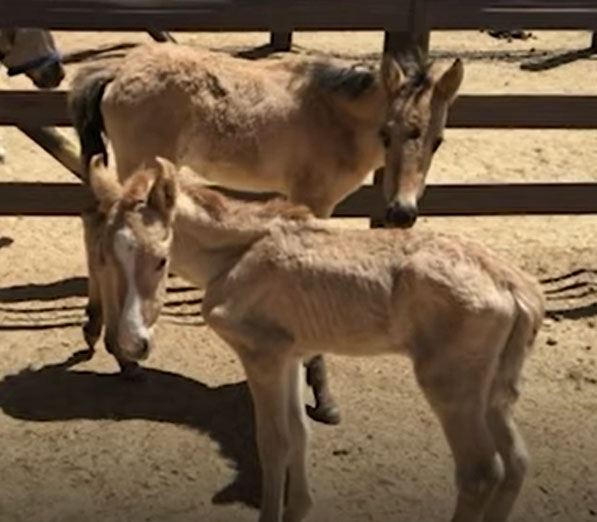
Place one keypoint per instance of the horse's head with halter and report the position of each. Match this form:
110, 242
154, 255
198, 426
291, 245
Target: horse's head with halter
31, 52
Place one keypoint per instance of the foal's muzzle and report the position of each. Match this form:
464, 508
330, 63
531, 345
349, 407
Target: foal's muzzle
401, 216
49, 76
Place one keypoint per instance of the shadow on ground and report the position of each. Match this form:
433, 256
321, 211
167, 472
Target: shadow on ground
572, 295
58, 393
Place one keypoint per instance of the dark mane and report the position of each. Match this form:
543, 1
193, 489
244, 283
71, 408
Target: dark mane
351, 81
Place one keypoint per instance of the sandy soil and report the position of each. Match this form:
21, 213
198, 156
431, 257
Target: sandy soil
79, 444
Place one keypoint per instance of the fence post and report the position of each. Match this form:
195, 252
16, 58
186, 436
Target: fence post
280, 41
396, 43
161, 36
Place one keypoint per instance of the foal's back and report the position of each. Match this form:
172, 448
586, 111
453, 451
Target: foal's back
226, 117
353, 291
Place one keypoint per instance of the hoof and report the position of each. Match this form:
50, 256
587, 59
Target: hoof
131, 371
87, 355
91, 333
326, 414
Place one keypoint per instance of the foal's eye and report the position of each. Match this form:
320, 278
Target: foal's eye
161, 264
384, 136
414, 134
437, 143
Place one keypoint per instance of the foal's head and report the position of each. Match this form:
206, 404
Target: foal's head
31, 52
419, 97
132, 243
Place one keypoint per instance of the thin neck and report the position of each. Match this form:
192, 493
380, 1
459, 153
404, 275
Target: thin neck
204, 246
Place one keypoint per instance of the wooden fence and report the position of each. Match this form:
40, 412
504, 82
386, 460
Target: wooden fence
405, 22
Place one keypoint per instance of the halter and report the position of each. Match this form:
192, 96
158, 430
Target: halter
50, 58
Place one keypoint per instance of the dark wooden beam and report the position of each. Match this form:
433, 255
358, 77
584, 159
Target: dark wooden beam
57, 199
34, 108
199, 15
161, 36
508, 14
47, 108
281, 41
278, 15
524, 111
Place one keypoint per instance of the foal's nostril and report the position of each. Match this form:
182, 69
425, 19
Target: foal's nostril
403, 217
143, 348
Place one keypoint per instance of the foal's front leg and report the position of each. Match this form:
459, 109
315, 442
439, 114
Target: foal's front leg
270, 402
271, 370
92, 328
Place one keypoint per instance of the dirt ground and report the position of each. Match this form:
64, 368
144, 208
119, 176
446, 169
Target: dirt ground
79, 444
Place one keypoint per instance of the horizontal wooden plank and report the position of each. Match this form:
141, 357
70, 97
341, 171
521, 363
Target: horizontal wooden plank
507, 14
524, 111
44, 199
46, 108
198, 15
280, 15
34, 108
57, 199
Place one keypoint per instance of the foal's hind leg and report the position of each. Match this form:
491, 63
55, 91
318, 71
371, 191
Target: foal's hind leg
502, 398
456, 387
326, 409
513, 452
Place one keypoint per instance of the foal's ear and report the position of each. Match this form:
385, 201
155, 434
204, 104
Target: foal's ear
392, 76
162, 196
104, 183
450, 81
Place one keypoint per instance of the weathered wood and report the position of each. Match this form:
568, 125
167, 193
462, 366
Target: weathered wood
44, 199
48, 108
59, 147
161, 36
506, 14
281, 41
54, 199
199, 15
34, 108
524, 111
278, 15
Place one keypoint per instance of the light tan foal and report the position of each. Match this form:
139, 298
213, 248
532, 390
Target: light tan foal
282, 285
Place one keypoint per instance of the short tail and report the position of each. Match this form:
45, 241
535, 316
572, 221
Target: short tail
84, 103
529, 316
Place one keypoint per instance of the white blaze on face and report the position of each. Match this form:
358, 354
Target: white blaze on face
132, 328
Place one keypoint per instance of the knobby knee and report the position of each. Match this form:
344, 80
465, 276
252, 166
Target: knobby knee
482, 477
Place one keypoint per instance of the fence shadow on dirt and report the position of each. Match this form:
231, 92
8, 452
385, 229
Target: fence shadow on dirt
58, 393
572, 295
21, 305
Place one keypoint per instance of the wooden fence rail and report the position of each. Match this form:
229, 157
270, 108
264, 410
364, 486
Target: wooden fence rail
481, 111
289, 15
406, 23
69, 199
